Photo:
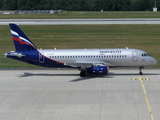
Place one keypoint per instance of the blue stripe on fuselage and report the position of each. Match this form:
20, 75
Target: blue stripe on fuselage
32, 57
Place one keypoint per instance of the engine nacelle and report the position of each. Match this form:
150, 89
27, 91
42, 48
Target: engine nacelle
99, 70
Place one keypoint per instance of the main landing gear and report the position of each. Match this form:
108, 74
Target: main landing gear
82, 73
140, 70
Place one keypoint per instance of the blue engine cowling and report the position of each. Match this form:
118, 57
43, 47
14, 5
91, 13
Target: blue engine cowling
99, 70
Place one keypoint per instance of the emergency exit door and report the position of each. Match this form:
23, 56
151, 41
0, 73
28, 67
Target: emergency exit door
135, 56
41, 58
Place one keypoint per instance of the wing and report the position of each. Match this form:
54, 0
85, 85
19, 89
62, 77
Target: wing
88, 64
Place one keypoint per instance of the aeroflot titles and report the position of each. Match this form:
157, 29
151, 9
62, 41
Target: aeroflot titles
110, 51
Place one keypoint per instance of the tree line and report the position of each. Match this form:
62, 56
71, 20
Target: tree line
80, 5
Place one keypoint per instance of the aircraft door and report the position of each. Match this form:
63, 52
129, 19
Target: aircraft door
135, 56
41, 58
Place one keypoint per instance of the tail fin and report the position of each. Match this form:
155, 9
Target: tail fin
21, 41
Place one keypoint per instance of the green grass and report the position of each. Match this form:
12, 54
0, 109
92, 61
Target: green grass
144, 37
85, 15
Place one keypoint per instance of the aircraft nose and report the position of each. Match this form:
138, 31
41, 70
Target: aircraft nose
154, 61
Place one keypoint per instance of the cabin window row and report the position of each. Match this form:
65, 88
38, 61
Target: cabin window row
91, 56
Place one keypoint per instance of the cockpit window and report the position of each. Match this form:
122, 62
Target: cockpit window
148, 54
145, 54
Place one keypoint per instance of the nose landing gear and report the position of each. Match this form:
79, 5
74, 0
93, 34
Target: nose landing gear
140, 70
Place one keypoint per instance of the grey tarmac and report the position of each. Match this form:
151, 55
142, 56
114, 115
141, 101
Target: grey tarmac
80, 21
47, 94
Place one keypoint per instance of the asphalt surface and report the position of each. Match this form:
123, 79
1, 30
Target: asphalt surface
63, 95
79, 21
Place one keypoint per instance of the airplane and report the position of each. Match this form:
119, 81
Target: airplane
88, 61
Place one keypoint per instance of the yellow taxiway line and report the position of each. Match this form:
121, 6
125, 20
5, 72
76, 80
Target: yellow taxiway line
145, 95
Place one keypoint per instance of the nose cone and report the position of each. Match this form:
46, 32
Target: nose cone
154, 61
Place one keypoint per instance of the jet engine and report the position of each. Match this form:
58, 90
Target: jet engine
99, 70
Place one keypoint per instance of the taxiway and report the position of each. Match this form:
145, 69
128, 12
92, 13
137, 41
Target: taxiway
63, 95
80, 21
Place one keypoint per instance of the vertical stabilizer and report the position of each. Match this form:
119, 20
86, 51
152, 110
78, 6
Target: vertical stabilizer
21, 41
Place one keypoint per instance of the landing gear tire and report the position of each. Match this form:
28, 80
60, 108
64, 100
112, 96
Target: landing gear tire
82, 73
140, 73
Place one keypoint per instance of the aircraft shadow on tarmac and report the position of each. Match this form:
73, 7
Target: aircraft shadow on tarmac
87, 77
26, 74
45, 74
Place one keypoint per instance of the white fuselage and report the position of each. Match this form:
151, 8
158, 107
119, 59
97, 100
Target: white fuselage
107, 57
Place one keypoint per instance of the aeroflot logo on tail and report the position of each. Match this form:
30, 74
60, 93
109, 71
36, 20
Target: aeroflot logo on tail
110, 51
21, 40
